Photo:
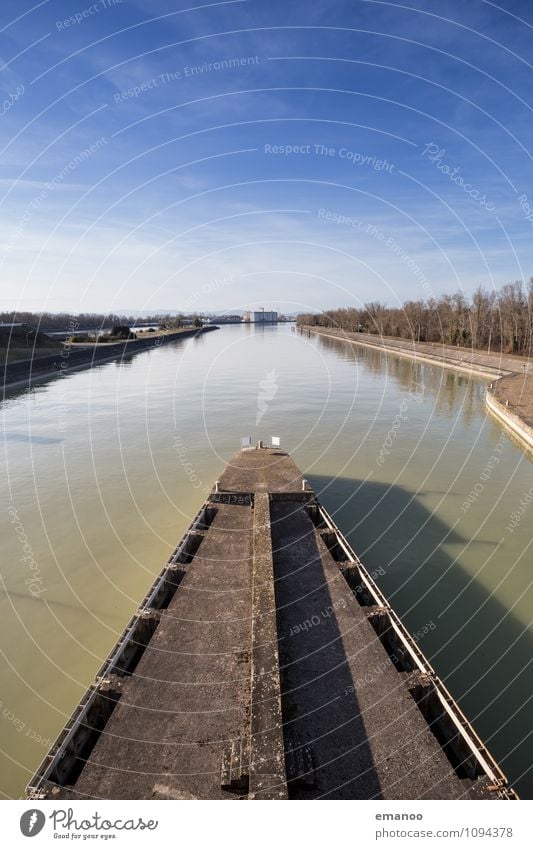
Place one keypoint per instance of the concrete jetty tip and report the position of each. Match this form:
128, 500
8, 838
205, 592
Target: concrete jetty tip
265, 663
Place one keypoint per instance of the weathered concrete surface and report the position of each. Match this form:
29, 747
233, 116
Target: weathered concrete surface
267, 763
511, 400
188, 696
267, 470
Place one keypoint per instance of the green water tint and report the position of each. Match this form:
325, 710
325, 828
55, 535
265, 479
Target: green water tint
106, 468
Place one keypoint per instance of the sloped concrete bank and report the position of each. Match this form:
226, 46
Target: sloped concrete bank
507, 369
511, 420
73, 358
461, 360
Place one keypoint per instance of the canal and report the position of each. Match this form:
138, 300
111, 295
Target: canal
102, 472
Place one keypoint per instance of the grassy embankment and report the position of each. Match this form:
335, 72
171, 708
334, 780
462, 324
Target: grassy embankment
25, 343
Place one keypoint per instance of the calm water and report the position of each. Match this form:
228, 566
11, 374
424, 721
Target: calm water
102, 472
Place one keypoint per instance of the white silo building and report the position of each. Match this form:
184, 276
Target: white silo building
261, 316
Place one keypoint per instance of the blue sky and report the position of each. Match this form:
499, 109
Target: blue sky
292, 155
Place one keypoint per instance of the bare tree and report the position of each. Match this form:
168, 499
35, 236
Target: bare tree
493, 321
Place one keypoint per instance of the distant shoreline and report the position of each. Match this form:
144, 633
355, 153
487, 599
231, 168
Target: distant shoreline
76, 357
510, 395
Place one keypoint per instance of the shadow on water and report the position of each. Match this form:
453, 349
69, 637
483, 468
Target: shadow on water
463, 629
319, 701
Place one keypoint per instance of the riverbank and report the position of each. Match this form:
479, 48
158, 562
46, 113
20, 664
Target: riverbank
74, 357
510, 396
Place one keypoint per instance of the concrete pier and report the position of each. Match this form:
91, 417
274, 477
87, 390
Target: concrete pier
265, 663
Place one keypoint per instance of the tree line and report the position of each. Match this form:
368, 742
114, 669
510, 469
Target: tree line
490, 320
48, 321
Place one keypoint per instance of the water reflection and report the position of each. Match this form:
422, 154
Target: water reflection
443, 387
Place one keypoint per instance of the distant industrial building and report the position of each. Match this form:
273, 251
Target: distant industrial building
260, 317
